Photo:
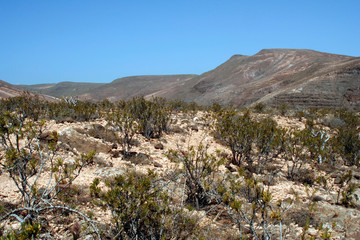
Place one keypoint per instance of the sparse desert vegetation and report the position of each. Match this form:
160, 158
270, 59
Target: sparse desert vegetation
154, 169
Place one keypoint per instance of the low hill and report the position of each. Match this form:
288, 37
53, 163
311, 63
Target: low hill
128, 87
8, 90
61, 89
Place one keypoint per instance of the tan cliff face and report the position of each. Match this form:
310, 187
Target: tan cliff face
296, 77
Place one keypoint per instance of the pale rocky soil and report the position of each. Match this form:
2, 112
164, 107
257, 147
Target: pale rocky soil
195, 130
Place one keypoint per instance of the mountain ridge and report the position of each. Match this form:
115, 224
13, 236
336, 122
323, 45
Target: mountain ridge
298, 77
245, 80
61, 89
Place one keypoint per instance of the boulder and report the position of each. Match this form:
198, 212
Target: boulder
81, 142
47, 136
109, 172
159, 146
193, 127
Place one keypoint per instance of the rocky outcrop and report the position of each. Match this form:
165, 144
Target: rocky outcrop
82, 143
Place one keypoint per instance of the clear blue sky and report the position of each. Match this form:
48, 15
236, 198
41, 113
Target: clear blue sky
46, 41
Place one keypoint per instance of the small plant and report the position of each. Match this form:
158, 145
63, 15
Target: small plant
269, 142
215, 107
70, 109
346, 192
325, 233
181, 106
198, 167
260, 107
316, 140
295, 152
28, 231
238, 132
347, 145
283, 109
94, 189
250, 206
123, 121
346, 142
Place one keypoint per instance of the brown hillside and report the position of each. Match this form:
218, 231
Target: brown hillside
7, 90
61, 89
128, 87
276, 76
296, 77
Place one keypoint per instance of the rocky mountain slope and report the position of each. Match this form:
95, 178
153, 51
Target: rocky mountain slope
277, 76
8, 90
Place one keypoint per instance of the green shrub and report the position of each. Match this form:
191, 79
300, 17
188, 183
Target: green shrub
26, 106
250, 206
73, 111
295, 152
152, 117
269, 142
94, 189
249, 139
138, 207
283, 109
316, 140
215, 107
28, 231
238, 132
105, 106
198, 167
347, 145
346, 193
260, 107
300, 114
350, 118
123, 122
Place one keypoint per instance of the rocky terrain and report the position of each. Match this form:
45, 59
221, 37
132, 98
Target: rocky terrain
310, 205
